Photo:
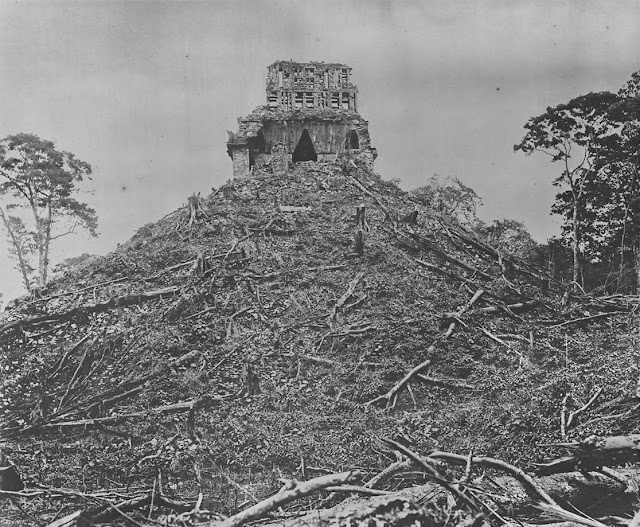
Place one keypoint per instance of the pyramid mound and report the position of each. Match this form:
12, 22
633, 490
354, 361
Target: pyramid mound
260, 332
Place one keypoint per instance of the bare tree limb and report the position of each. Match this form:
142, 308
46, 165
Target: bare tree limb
392, 395
286, 495
525, 480
433, 473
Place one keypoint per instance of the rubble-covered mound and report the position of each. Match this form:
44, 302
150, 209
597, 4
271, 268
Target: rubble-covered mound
279, 328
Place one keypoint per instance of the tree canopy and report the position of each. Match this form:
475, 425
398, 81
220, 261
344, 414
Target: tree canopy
449, 198
595, 139
572, 134
39, 187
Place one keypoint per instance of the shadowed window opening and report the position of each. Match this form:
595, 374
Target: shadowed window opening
304, 149
345, 100
352, 142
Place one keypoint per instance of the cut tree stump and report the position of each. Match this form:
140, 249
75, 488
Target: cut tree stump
9, 477
250, 380
361, 227
196, 209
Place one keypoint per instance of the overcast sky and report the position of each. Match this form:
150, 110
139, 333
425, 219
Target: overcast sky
145, 90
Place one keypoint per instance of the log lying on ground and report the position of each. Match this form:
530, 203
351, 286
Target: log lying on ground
529, 485
286, 495
109, 511
185, 406
505, 490
515, 263
428, 245
594, 453
450, 274
120, 301
398, 508
513, 307
446, 382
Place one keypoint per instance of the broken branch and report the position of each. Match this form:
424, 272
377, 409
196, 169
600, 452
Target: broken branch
286, 495
392, 395
589, 404
525, 480
350, 289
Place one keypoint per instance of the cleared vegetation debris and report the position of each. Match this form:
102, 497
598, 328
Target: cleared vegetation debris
183, 377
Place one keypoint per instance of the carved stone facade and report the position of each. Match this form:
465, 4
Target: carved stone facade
310, 115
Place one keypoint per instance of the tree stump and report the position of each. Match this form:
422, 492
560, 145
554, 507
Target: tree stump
250, 380
361, 227
9, 477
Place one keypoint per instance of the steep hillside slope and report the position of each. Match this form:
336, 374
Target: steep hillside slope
252, 336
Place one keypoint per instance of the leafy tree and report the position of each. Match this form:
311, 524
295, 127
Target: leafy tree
611, 199
21, 244
602, 206
39, 182
623, 159
572, 135
510, 237
450, 199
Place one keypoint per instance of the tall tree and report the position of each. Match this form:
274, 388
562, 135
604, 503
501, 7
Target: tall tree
623, 154
41, 182
571, 134
21, 244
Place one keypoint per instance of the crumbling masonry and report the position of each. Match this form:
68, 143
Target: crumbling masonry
311, 115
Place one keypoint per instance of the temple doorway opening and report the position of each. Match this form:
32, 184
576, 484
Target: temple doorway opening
304, 149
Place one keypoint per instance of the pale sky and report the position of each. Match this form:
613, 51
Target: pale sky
145, 90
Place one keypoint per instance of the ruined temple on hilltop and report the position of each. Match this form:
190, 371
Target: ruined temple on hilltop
311, 115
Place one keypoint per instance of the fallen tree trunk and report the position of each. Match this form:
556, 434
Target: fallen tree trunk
428, 245
505, 490
513, 307
288, 494
493, 252
446, 382
119, 301
530, 486
594, 453
169, 408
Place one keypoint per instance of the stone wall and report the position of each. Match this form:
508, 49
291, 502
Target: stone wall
240, 158
327, 137
304, 85
279, 159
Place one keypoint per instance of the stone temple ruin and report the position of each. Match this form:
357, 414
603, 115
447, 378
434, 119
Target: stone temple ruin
311, 115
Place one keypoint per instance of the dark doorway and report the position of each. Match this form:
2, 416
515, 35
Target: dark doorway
304, 149
257, 145
352, 142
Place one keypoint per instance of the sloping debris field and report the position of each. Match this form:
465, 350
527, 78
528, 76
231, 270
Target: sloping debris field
290, 328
